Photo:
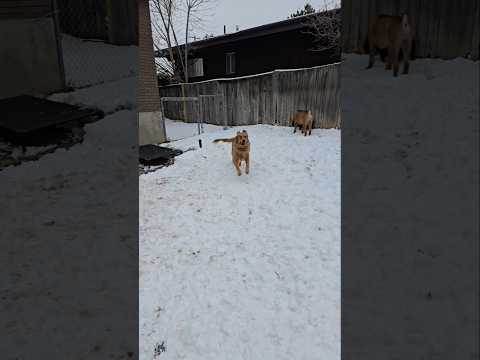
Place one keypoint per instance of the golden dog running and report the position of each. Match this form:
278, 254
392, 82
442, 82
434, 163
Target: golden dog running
240, 150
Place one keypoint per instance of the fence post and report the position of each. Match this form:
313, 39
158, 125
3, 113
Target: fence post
275, 96
224, 102
163, 126
200, 118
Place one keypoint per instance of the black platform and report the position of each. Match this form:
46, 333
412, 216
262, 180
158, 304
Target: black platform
24, 113
157, 155
28, 120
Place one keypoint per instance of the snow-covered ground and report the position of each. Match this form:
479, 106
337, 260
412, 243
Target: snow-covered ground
243, 267
108, 97
416, 138
427, 99
249, 267
93, 62
76, 200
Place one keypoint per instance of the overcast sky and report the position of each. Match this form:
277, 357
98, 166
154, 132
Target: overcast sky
247, 13
250, 13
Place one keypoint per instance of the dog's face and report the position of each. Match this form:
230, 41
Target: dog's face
242, 137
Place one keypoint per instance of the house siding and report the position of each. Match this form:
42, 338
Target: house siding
285, 50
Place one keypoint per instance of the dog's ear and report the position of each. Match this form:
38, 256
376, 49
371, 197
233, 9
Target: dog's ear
244, 131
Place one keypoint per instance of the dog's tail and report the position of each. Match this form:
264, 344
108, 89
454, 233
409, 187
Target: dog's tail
224, 140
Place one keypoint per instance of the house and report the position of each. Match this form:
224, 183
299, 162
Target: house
281, 45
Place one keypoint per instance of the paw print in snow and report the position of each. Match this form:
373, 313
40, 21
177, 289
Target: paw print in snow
159, 349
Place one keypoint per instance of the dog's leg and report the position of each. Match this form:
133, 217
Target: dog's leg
371, 58
371, 53
237, 166
310, 128
294, 128
247, 165
396, 51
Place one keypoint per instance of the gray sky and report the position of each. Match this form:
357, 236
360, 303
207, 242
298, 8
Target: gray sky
250, 13
246, 14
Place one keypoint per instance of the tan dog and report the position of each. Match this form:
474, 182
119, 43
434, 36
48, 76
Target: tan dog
394, 34
302, 119
240, 150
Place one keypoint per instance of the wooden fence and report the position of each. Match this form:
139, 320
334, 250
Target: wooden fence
443, 28
268, 98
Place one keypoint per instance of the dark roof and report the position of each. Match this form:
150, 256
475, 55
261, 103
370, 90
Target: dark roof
262, 30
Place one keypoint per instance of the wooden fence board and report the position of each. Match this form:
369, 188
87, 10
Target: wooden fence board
264, 99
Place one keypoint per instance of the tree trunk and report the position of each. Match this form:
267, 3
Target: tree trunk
186, 43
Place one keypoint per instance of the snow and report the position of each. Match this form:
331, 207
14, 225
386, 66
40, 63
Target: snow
249, 267
107, 97
243, 267
57, 198
416, 135
88, 62
432, 94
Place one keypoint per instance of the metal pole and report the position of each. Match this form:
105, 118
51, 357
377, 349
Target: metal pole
162, 119
200, 106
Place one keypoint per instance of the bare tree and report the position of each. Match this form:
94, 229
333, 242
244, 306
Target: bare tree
168, 15
325, 26
164, 13
193, 8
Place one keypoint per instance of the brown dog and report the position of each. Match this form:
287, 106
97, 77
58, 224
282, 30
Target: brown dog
240, 150
393, 33
302, 119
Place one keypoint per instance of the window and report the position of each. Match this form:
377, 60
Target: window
230, 57
195, 67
